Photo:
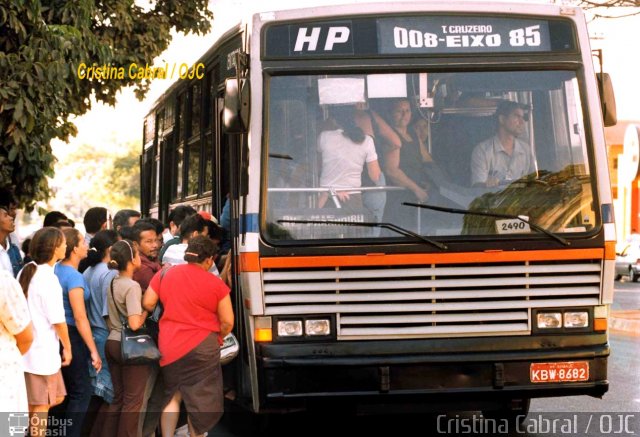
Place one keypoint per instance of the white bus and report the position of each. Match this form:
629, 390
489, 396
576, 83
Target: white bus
432, 283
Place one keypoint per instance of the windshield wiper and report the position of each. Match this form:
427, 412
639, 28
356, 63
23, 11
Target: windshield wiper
390, 226
491, 214
280, 156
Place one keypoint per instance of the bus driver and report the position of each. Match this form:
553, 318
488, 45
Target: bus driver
503, 157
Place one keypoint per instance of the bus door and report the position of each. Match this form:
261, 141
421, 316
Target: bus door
229, 189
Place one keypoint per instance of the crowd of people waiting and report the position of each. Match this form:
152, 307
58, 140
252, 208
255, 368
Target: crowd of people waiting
62, 298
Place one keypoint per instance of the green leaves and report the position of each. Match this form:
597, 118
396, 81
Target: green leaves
42, 42
114, 180
17, 110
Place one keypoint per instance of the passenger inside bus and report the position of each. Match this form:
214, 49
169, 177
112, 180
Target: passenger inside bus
344, 152
408, 164
373, 125
403, 162
430, 125
433, 171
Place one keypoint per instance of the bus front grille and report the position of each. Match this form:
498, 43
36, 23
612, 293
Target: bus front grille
432, 301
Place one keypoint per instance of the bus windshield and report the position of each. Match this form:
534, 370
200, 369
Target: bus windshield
347, 152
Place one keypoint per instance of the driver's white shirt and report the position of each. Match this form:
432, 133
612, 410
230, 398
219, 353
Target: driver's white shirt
489, 159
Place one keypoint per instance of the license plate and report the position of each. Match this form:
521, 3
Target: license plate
560, 372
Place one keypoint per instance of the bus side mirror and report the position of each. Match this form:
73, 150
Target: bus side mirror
607, 99
236, 105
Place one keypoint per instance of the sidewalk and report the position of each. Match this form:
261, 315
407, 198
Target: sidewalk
626, 321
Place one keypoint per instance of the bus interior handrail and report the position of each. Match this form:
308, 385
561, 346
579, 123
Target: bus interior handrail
332, 189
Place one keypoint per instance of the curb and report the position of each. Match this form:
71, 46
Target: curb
625, 321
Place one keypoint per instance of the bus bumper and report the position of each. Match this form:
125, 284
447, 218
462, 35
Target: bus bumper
292, 379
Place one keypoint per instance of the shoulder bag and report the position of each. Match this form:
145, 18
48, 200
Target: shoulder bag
138, 347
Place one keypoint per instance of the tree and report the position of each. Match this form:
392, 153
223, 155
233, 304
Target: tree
43, 45
603, 8
124, 178
586, 4
100, 177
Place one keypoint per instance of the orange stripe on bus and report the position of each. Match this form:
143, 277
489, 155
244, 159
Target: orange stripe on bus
431, 258
249, 262
609, 250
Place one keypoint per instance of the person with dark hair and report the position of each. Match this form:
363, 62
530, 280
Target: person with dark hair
9, 201
194, 322
216, 234
408, 164
127, 233
74, 294
157, 224
176, 217
503, 157
25, 250
63, 224
8, 198
95, 219
129, 381
53, 217
147, 239
125, 217
10, 258
214, 230
433, 171
191, 227
98, 277
404, 158
42, 363
344, 153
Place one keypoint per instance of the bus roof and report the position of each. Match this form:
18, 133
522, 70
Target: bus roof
328, 7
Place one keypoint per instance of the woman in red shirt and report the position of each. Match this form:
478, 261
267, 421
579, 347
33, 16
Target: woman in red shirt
197, 316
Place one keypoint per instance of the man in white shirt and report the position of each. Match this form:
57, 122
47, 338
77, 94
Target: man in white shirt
176, 217
503, 157
192, 226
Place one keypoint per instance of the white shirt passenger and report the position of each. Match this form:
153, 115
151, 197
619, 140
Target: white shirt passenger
343, 161
167, 236
14, 318
175, 256
46, 308
5, 261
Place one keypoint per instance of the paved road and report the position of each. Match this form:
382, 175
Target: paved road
627, 295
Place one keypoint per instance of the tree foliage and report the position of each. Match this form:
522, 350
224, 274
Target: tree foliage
100, 178
42, 44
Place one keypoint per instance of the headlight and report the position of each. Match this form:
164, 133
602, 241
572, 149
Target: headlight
549, 320
576, 319
317, 327
290, 328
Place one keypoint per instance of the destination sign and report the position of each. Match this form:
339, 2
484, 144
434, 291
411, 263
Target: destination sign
418, 35
461, 35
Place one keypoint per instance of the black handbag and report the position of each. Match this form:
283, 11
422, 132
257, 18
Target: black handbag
137, 347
